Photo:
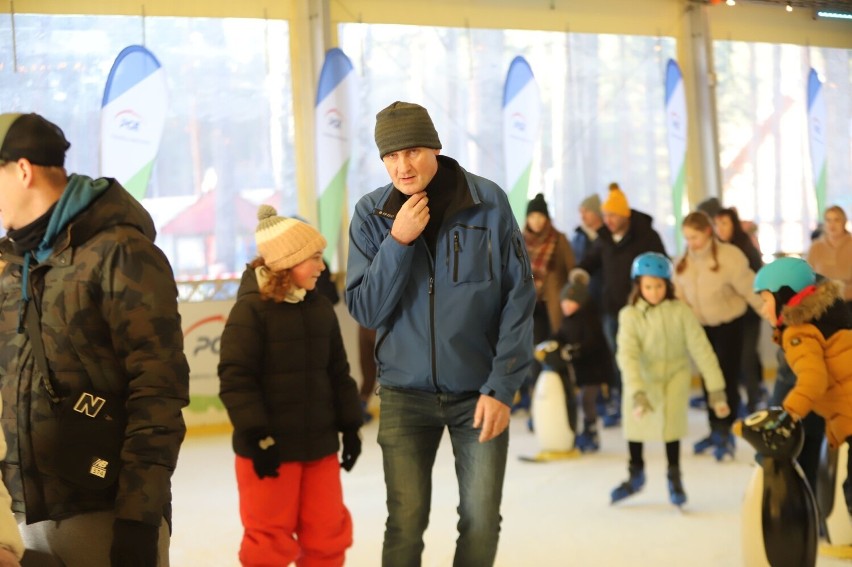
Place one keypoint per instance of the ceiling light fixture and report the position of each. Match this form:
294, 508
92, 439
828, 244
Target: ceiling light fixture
730, 2
835, 15
789, 7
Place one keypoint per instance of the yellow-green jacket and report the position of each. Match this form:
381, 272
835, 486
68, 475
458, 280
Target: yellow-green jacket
655, 344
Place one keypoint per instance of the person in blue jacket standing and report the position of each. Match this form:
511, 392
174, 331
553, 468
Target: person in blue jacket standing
437, 264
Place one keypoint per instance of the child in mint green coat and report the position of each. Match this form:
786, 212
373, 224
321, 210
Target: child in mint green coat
657, 335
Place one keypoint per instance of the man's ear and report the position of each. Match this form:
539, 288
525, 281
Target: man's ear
24, 171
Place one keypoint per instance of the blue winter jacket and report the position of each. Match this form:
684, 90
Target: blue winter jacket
459, 322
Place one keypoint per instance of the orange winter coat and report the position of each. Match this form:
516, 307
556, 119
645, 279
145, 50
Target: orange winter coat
822, 364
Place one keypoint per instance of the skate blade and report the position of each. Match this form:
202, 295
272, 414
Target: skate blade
839, 551
548, 456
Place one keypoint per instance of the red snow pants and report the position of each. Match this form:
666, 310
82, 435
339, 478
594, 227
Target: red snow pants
298, 517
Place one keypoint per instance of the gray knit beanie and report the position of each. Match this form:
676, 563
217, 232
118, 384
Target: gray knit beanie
710, 206
592, 203
405, 125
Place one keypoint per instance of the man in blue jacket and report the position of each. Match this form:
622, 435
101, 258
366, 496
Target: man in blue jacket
438, 265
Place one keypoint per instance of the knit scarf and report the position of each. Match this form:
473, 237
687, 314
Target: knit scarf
540, 247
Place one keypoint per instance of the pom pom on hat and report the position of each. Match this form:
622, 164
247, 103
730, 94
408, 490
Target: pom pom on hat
616, 202
284, 242
538, 205
405, 125
577, 288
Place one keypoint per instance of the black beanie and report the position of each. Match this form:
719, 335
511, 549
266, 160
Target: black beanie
405, 125
538, 205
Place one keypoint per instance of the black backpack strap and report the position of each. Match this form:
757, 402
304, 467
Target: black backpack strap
33, 328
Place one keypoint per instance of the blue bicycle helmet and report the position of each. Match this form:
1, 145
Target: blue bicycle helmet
795, 273
651, 264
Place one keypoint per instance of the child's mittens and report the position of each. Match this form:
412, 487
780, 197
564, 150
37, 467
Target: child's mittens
264, 453
351, 449
719, 402
641, 405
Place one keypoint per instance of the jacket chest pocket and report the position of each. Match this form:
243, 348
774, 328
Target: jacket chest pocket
470, 254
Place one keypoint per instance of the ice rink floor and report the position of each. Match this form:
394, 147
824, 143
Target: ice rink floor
555, 514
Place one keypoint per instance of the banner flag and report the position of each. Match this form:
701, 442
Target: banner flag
817, 116
133, 115
676, 136
334, 121
521, 128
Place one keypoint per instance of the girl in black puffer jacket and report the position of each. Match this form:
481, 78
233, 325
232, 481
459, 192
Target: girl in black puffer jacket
284, 379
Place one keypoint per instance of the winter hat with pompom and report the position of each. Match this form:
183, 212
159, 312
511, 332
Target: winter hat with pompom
284, 242
577, 288
616, 202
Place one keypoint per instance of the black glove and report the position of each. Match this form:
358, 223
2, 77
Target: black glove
351, 449
264, 453
134, 544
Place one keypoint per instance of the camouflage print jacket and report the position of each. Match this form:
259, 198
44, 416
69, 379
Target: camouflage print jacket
108, 305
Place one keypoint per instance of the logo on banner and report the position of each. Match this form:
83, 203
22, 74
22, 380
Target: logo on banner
333, 122
128, 125
519, 122
817, 126
675, 120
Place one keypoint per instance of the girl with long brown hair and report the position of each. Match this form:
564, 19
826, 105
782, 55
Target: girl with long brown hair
715, 280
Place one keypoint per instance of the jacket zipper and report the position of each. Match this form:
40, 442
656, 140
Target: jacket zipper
431, 293
432, 330
456, 248
526, 269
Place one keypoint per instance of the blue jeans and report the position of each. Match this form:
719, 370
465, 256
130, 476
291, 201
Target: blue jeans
410, 431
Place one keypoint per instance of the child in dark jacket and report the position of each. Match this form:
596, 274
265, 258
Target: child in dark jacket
284, 379
581, 328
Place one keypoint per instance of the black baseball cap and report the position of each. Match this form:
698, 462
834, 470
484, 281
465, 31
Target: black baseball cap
33, 137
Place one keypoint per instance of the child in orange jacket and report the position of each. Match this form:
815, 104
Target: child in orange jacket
814, 327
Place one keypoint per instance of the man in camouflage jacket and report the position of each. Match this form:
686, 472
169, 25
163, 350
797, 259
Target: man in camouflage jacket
81, 252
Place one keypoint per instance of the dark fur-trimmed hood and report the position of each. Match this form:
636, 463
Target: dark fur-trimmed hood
815, 306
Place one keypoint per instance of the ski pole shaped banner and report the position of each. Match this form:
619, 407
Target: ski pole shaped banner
521, 125
817, 116
676, 131
133, 114
334, 118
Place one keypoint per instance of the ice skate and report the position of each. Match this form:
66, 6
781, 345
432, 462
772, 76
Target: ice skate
630, 486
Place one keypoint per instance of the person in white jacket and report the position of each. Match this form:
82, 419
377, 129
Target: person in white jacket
11, 545
715, 280
657, 335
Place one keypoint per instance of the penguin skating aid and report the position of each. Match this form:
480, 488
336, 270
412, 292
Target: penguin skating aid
779, 509
552, 404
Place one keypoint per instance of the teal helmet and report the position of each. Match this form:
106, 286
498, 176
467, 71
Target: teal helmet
794, 273
651, 264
